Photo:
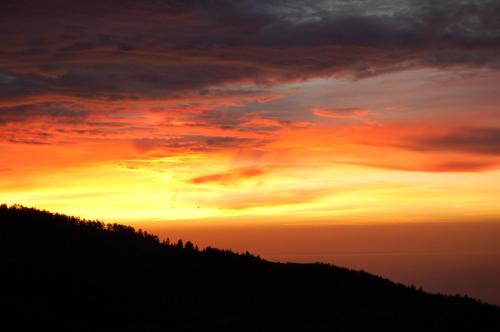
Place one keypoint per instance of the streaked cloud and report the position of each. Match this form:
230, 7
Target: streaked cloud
196, 109
231, 177
339, 113
166, 48
467, 139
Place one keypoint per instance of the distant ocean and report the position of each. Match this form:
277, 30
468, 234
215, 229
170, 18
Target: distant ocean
450, 258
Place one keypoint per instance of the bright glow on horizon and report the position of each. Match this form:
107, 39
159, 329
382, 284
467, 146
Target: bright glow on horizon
355, 166
316, 168
379, 164
233, 116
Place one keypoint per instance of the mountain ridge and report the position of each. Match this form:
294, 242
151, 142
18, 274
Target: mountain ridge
81, 275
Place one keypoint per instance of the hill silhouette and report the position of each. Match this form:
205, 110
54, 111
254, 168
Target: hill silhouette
65, 273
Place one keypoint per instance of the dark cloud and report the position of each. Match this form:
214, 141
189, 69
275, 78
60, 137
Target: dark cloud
198, 143
469, 140
235, 118
29, 141
52, 111
444, 166
149, 49
27, 136
463, 166
59, 121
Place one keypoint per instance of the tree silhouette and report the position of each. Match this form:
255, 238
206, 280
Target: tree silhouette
70, 274
189, 246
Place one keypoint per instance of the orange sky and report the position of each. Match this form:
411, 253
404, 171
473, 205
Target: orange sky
416, 145
266, 126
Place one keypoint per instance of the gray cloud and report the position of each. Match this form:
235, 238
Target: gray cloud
470, 140
151, 49
53, 111
198, 143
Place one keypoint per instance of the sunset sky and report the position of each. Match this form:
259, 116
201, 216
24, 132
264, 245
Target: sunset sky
259, 111
360, 133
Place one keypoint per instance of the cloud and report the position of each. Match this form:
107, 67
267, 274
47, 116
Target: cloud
446, 165
339, 113
231, 177
272, 197
52, 111
197, 143
431, 149
462, 166
240, 117
469, 140
198, 73
166, 48
28, 141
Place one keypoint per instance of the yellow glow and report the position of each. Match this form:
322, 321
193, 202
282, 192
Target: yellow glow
141, 190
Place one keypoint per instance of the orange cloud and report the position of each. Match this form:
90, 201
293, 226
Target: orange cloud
230, 177
393, 108
339, 113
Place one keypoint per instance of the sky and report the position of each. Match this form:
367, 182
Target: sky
359, 111
245, 113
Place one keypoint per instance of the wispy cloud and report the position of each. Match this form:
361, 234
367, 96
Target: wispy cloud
469, 140
230, 177
339, 113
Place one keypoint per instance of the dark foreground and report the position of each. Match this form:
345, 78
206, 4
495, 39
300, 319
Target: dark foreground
74, 275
